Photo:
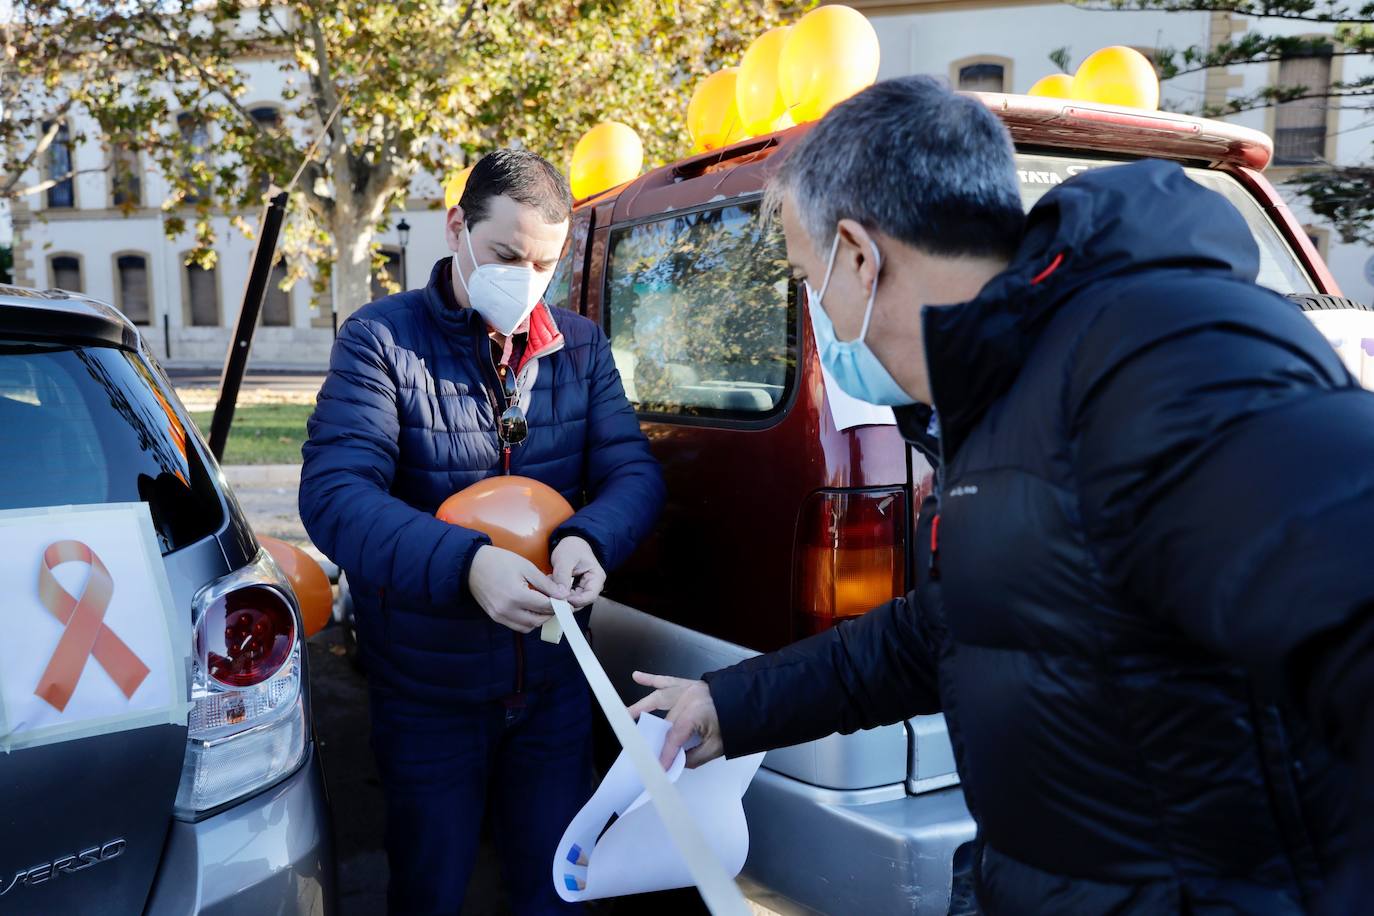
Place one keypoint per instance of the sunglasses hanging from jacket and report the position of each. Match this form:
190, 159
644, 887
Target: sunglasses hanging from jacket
511, 426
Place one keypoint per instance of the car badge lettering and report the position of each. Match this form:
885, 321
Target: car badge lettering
68, 864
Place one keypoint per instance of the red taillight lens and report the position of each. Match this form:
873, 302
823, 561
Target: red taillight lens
850, 557
246, 635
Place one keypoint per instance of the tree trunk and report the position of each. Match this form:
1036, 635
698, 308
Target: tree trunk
352, 268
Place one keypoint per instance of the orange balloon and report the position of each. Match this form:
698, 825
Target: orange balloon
308, 581
519, 514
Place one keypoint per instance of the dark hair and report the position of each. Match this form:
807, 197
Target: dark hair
914, 159
523, 177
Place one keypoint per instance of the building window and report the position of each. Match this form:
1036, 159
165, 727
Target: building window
202, 293
276, 305
195, 133
391, 270
983, 77
126, 182
65, 271
267, 116
61, 195
1300, 126
134, 300
269, 119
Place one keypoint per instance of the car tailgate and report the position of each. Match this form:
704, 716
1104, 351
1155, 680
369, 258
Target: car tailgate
83, 822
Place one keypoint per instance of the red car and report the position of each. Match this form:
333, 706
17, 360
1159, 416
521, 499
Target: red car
791, 507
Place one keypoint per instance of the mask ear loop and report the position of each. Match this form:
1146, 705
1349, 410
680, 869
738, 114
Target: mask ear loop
467, 236
829, 269
873, 294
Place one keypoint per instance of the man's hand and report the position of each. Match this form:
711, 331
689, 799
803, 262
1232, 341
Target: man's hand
505, 584
690, 710
575, 568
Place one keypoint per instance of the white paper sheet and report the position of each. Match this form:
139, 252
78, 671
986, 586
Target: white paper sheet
635, 854
140, 614
848, 412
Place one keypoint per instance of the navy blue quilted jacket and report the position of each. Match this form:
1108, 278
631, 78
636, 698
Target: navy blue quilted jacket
404, 420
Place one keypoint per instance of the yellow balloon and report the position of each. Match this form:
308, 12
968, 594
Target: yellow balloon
713, 115
1054, 86
609, 154
1117, 76
757, 92
453, 190
830, 54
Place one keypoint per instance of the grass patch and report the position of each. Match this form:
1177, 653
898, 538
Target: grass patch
262, 433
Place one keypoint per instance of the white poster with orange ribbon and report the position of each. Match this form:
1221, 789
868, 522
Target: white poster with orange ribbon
90, 639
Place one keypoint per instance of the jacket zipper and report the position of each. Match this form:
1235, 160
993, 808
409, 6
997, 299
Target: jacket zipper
516, 698
940, 468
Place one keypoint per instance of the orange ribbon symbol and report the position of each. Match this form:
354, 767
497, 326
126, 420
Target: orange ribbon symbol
86, 634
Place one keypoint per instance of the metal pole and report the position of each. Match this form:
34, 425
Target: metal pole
236, 360
167, 334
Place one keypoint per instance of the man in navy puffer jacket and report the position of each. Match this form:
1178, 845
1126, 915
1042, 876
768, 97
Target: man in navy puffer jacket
468, 704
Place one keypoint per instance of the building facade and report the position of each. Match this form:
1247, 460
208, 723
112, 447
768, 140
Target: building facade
102, 232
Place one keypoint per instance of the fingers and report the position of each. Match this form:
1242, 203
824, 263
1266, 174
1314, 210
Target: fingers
534, 602
677, 736
543, 583
522, 621
703, 753
657, 681
564, 569
589, 587
654, 701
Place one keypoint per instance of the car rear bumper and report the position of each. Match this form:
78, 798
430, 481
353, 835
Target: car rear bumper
864, 851
270, 854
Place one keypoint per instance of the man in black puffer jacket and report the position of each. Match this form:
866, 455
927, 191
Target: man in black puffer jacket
1147, 577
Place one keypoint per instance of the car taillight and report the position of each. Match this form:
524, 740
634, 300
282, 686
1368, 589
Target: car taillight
246, 635
850, 555
247, 725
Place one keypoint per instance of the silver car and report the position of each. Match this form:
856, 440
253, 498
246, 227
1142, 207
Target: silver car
224, 810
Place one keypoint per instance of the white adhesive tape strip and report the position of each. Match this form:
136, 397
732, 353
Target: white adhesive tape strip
719, 891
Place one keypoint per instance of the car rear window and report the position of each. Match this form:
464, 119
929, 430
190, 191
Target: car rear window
701, 313
1280, 269
88, 425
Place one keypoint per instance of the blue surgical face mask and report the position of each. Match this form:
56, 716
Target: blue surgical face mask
854, 366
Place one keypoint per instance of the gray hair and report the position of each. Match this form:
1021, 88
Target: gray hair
910, 158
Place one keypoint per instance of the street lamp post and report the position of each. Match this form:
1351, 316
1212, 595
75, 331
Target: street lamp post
403, 233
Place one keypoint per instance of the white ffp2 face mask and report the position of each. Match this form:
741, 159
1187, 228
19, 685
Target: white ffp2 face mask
503, 294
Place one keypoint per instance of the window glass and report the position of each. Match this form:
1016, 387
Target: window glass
126, 184
391, 271
133, 288
1280, 268
202, 284
66, 273
276, 304
1300, 124
701, 314
62, 194
982, 78
97, 430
